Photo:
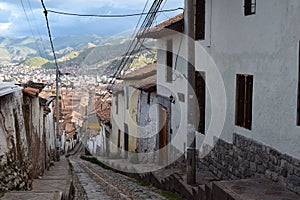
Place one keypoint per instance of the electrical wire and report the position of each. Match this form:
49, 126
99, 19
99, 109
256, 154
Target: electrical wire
50, 37
146, 24
133, 35
30, 26
111, 16
38, 31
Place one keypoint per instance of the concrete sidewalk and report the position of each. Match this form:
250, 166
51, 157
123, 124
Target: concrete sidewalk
56, 184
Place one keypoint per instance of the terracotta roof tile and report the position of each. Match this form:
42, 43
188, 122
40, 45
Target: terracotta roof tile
141, 73
160, 30
102, 107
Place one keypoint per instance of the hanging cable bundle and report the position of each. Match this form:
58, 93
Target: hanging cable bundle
137, 43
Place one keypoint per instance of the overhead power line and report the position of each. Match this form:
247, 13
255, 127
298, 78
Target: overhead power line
38, 30
57, 77
111, 16
30, 26
49, 34
136, 44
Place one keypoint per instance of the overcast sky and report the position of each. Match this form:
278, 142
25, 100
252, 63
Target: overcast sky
13, 21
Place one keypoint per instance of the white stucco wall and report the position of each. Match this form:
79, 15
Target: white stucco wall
50, 134
178, 85
264, 45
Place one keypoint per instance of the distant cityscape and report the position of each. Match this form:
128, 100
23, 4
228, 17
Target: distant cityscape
70, 77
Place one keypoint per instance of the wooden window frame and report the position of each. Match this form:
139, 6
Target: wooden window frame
199, 19
244, 99
249, 7
200, 90
169, 61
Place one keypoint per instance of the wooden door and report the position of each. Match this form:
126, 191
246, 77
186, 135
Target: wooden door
163, 136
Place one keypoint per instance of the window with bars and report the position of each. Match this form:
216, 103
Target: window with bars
244, 93
250, 7
298, 99
199, 19
201, 96
169, 61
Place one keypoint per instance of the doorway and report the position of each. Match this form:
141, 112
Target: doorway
163, 135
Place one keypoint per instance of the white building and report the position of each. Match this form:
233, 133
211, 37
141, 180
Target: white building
248, 54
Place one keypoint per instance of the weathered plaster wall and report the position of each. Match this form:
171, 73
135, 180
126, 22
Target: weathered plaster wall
15, 166
147, 123
117, 119
50, 134
25, 151
131, 118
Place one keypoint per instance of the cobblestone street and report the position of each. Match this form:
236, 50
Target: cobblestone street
95, 182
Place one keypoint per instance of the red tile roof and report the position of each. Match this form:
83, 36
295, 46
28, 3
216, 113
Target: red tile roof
143, 78
33, 92
160, 30
102, 107
140, 73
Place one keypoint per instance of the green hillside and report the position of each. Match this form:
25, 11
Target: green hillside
95, 54
35, 62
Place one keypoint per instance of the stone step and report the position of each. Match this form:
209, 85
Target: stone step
45, 195
248, 189
54, 185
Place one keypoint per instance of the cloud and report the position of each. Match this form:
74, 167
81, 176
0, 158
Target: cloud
13, 20
4, 27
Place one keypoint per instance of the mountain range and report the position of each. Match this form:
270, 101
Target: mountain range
86, 50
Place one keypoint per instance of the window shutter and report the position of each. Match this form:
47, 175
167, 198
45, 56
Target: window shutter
201, 96
169, 60
240, 99
249, 94
200, 20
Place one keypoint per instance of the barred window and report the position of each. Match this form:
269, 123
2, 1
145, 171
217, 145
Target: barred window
250, 7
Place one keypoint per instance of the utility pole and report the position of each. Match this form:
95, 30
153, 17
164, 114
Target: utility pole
191, 141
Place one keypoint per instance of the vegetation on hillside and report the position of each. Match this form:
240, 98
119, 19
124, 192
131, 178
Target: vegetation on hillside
35, 62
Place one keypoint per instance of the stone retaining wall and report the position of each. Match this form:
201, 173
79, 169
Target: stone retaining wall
246, 158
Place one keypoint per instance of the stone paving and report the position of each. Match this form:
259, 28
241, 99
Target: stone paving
54, 185
105, 184
251, 189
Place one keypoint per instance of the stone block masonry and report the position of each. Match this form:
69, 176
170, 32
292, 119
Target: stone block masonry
246, 158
